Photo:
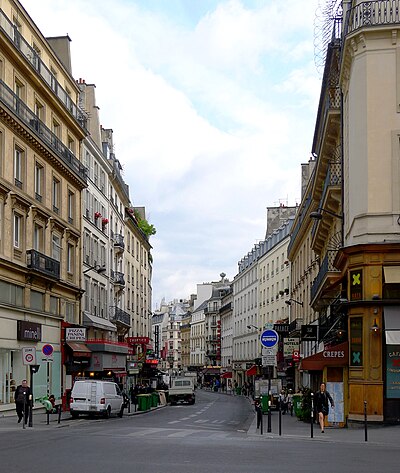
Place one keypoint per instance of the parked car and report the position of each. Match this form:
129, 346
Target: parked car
94, 397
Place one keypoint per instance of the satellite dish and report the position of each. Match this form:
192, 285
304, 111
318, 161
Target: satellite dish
326, 16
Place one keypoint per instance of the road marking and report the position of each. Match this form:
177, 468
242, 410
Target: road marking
174, 422
182, 433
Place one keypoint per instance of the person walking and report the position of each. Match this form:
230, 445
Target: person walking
322, 400
22, 397
258, 409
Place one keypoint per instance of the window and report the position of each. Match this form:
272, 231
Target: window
17, 231
71, 206
37, 299
70, 258
11, 294
39, 110
71, 144
38, 233
54, 305
70, 312
39, 174
56, 129
56, 195
56, 247
18, 167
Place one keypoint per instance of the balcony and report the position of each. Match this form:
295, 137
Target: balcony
43, 264
372, 14
303, 211
118, 176
40, 130
120, 317
41, 69
119, 243
118, 278
327, 273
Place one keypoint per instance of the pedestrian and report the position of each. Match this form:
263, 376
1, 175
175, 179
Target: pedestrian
22, 397
322, 400
283, 401
257, 407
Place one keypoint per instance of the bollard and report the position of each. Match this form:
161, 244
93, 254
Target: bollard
59, 413
48, 416
23, 418
312, 415
30, 411
261, 424
365, 422
269, 412
280, 418
129, 406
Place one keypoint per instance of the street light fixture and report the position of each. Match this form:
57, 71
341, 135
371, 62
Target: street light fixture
99, 269
317, 215
289, 302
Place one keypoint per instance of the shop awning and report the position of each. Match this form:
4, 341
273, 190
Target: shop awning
93, 321
392, 325
228, 374
337, 356
252, 371
80, 349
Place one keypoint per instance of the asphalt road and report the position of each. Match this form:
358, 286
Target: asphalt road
211, 436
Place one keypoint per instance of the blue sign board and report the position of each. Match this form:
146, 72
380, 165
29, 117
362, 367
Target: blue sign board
47, 350
269, 338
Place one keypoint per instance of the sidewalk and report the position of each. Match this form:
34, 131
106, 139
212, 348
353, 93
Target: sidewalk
8, 419
292, 428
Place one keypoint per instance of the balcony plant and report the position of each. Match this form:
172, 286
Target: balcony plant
97, 215
104, 221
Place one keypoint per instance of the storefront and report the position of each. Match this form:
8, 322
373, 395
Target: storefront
331, 366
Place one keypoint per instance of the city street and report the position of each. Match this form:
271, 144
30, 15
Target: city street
217, 434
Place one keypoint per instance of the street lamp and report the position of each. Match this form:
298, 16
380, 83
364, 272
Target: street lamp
317, 215
289, 302
99, 269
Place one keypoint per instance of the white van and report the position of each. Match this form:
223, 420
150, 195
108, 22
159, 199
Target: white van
96, 397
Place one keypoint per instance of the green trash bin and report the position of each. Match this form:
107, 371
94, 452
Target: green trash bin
238, 391
264, 403
144, 402
297, 404
154, 399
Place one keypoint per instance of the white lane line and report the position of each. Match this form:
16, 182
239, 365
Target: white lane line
174, 422
182, 433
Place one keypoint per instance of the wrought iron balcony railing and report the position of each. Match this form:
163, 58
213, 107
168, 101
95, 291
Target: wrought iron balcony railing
378, 13
119, 240
120, 316
118, 278
41, 69
40, 130
43, 264
325, 268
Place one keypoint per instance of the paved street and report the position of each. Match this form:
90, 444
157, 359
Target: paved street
217, 434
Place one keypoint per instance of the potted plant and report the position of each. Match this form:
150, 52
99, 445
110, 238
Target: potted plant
97, 215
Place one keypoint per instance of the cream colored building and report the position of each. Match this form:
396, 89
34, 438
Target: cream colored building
41, 180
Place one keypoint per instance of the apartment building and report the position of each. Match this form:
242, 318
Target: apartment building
41, 180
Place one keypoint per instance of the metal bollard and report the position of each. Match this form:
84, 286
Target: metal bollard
365, 422
23, 418
261, 425
30, 411
48, 416
280, 418
59, 413
312, 415
269, 412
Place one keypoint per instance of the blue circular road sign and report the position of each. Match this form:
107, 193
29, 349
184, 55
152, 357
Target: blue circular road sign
47, 350
269, 338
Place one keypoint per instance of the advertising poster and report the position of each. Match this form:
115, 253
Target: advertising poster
336, 414
393, 372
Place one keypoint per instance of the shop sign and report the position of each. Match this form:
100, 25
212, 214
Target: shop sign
152, 362
309, 333
29, 331
356, 285
138, 340
76, 334
282, 329
290, 345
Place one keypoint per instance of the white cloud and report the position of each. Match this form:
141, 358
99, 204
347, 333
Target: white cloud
211, 118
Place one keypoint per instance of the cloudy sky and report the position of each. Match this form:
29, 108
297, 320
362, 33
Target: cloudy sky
213, 106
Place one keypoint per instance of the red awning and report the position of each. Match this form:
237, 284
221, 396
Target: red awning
80, 349
337, 356
227, 375
252, 371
